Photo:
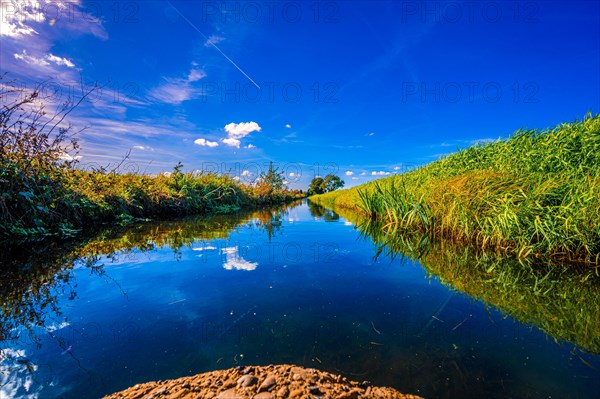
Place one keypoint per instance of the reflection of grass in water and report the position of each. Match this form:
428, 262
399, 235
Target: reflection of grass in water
553, 297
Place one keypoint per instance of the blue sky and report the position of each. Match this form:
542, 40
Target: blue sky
361, 89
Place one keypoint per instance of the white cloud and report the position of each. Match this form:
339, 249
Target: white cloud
68, 157
174, 91
177, 90
44, 60
246, 173
396, 167
237, 131
60, 60
354, 178
349, 173
30, 30
371, 134
363, 174
380, 173
292, 174
241, 130
31, 59
195, 75
287, 125
206, 143
236, 178
234, 261
16, 16
143, 148
213, 39
232, 142
205, 248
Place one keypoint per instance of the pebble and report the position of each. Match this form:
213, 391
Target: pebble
283, 392
271, 382
268, 384
228, 394
247, 380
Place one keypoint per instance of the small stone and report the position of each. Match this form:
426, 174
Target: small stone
314, 390
353, 394
365, 384
264, 395
228, 394
268, 384
247, 370
283, 392
247, 380
185, 385
296, 393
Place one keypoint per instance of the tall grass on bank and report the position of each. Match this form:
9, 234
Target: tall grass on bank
42, 191
534, 194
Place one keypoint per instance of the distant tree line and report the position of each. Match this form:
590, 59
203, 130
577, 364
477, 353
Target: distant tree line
320, 185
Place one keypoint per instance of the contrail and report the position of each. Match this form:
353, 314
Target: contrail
212, 44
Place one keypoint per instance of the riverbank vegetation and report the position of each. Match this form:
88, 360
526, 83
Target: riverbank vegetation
535, 194
45, 193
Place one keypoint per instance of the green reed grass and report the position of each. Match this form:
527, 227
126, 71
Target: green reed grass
535, 194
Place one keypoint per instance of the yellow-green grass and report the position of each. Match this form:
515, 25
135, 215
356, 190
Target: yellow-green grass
63, 199
535, 194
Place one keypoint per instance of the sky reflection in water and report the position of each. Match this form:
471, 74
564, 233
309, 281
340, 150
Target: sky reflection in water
300, 287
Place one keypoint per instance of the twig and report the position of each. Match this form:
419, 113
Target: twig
461, 323
376, 330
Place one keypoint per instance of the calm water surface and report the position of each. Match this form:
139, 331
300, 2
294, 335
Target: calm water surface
301, 286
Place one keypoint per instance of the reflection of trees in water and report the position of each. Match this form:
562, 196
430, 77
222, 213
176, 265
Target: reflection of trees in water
36, 277
321, 212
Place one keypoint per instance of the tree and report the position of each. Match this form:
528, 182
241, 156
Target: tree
270, 181
332, 182
317, 186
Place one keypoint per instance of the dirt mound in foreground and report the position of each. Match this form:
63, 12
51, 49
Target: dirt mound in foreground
269, 382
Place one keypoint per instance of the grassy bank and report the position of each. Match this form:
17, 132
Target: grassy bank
44, 193
62, 201
536, 194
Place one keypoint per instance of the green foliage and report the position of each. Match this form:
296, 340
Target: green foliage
320, 185
43, 193
534, 194
317, 186
273, 178
332, 183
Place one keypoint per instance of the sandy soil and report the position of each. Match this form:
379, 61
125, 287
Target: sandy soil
269, 382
